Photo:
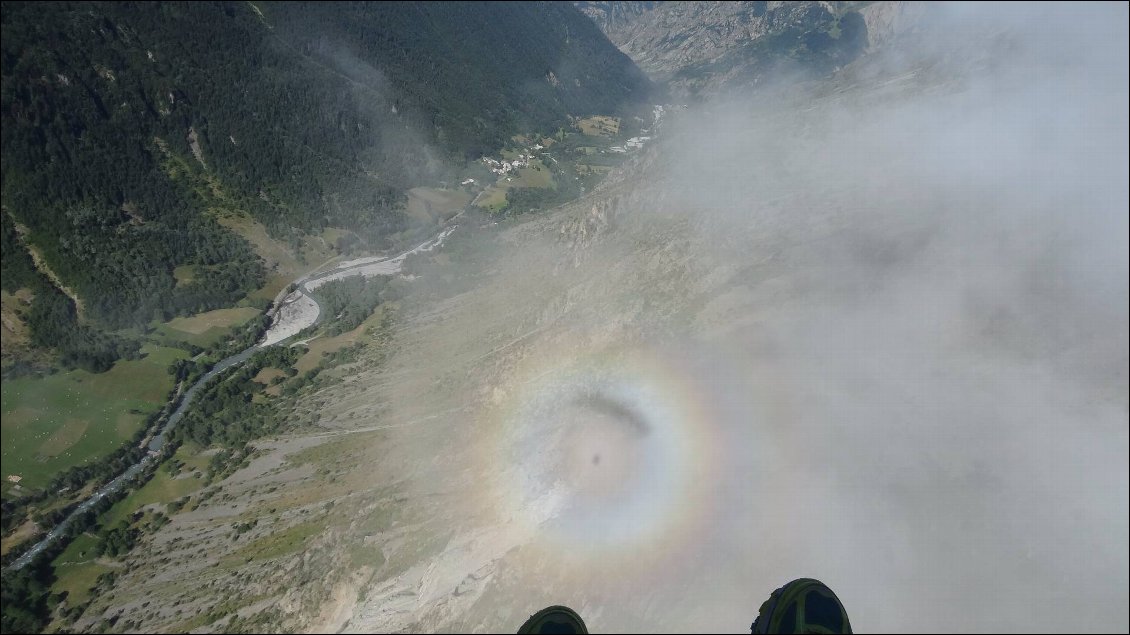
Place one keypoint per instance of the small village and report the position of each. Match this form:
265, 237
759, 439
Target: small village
584, 154
505, 167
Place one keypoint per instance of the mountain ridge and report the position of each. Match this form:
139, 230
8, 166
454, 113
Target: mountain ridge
698, 48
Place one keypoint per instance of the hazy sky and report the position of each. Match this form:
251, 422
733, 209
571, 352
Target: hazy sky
949, 326
924, 395
873, 331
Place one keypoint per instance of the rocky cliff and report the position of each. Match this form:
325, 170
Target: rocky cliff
697, 47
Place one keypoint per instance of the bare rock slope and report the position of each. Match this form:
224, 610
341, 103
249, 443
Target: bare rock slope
873, 333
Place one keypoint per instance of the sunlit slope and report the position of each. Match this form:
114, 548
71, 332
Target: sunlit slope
872, 331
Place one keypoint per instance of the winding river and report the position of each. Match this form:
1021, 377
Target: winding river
291, 313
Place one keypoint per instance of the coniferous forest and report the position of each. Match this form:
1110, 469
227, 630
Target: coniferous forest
123, 122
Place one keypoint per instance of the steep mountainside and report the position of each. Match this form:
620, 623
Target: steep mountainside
616, 17
124, 123
699, 46
477, 72
835, 306
871, 328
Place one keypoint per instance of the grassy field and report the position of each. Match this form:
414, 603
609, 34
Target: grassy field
536, 175
432, 204
162, 489
279, 257
599, 125
331, 234
76, 569
493, 198
209, 320
209, 328
267, 375
322, 345
18, 535
585, 169
283, 264
80, 550
78, 579
184, 274
279, 543
50, 424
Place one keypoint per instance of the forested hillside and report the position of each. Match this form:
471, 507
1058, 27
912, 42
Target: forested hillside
475, 72
124, 122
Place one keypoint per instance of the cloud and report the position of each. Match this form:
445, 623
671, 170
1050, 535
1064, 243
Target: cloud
945, 313
901, 296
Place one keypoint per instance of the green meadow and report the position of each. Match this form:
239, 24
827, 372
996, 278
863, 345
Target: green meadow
52, 423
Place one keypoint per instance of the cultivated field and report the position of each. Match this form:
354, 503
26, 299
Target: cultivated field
599, 125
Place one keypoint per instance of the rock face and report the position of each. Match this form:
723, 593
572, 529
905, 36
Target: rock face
616, 16
885, 20
674, 35
696, 47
